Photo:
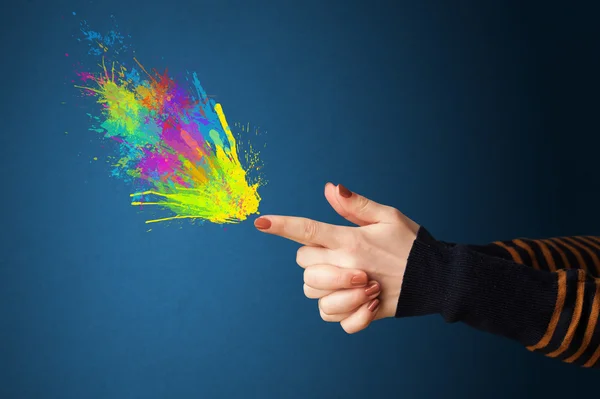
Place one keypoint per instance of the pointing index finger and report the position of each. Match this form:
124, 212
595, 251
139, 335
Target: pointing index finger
302, 230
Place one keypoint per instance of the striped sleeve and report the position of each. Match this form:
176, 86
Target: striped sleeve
551, 254
573, 333
543, 293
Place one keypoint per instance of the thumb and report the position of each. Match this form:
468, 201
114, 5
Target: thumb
360, 209
332, 197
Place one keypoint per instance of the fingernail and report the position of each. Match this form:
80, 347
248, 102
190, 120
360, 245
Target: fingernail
344, 192
262, 223
372, 289
359, 280
373, 305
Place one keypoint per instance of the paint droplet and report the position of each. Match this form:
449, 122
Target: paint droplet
66, 132
95, 158
66, 54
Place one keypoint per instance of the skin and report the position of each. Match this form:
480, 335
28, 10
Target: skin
355, 272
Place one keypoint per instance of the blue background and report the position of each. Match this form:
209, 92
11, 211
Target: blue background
478, 121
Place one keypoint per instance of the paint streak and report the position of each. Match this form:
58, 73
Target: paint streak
174, 143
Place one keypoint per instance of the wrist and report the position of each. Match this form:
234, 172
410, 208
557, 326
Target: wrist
391, 295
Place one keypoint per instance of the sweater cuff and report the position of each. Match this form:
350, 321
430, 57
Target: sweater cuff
483, 291
426, 278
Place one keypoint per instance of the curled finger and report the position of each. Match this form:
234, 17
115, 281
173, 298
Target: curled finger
331, 278
348, 300
313, 293
361, 318
334, 318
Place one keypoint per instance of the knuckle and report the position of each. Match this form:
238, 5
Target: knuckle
301, 256
396, 215
310, 230
362, 204
307, 276
325, 316
307, 291
324, 306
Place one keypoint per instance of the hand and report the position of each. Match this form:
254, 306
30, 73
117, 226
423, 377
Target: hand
332, 255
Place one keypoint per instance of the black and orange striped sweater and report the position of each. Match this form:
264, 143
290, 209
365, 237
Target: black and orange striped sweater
544, 294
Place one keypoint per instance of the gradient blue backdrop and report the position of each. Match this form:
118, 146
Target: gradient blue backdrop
479, 121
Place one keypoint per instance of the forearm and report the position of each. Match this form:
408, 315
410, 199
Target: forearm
555, 313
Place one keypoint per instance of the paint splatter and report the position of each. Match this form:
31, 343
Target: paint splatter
174, 144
